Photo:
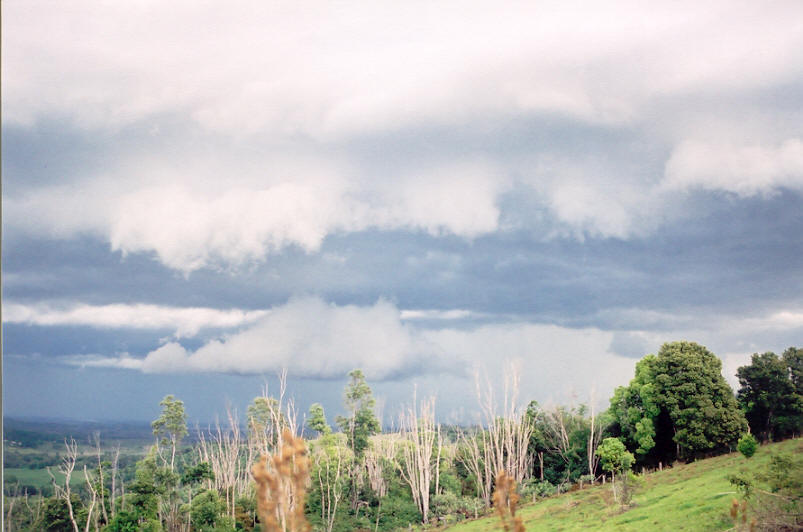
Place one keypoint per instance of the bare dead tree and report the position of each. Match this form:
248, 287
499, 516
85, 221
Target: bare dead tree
223, 452
94, 493
475, 455
378, 458
503, 444
115, 462
329, 470
66, 467
594, 435
419, 434
101, 481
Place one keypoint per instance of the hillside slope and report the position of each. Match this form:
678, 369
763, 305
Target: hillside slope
692, 497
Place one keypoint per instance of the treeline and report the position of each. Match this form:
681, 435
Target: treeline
352, 476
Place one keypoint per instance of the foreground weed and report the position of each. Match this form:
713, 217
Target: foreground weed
282, 488
505, 500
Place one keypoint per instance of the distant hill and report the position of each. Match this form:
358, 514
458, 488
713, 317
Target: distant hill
22, 432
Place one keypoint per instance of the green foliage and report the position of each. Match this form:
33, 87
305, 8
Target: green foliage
171, 425
678, 405
451, 504
398, 509
55, 516
538, 489
571, 462
770, 396
206, 509
150, 484
317, 419
747, 445
614, 457
123, 522
361, 422
449, 483
197, 473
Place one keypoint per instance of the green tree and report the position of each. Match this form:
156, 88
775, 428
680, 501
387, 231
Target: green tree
151, 484
768, 396
358, 427
55, 514
171, 426
195, 475
615, 458
793, 358
634, 408
680, 401
361, 423
317, 420
207, 509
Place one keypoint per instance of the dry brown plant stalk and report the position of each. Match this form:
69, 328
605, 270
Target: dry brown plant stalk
282, 488
505, 500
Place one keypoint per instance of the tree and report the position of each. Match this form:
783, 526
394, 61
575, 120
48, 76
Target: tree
359, 426
793, 358
635, 409
361, 422
417, 467
615, 458
329, 464
681, 402
771, 404
207, 509
171, 425
317, 420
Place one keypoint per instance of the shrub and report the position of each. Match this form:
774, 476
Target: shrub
536, 489
747, 445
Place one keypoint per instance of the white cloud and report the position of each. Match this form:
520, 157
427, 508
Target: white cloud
314, 339
433, 314
318, 340
745, 170
194, 224
336, 69
268, 84
186, 321
307, 336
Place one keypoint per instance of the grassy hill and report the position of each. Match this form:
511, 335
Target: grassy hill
691, 497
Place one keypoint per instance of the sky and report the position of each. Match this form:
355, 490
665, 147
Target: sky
197, 196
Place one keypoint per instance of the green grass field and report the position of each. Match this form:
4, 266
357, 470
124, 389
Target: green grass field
35, 477
692, 497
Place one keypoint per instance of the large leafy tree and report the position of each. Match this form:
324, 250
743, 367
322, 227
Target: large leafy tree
772, 404
678, 395
793, 358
